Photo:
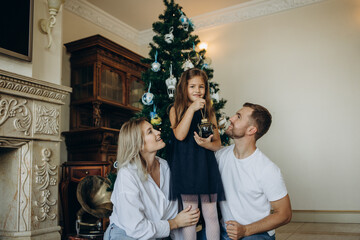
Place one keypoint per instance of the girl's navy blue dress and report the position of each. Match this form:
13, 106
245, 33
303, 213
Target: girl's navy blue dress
194, 170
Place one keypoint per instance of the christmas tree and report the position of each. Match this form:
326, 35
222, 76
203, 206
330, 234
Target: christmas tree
174, 50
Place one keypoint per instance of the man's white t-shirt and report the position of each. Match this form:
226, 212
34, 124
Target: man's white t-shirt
250, 184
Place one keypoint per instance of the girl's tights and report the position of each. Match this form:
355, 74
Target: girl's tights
209, 212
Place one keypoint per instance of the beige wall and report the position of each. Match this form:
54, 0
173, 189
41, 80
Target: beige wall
304, 66
46, 63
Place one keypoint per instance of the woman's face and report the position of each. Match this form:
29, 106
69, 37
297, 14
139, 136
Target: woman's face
152, 139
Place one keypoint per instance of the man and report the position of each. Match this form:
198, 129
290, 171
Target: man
256, 197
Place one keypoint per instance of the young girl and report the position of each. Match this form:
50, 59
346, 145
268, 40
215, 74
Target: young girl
195, 175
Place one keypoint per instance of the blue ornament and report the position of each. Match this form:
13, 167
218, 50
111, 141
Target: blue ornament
155, 119
184, 21
147, 98
155, 66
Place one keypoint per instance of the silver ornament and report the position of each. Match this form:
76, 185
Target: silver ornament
187, 65
169, 38
171, 84
155, 66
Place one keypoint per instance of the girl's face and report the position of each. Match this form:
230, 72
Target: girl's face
152, 139
195, 88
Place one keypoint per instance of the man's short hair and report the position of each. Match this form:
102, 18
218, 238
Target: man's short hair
262, 118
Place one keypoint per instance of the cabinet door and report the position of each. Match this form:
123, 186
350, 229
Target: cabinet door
136, 90
112, 85
82, 82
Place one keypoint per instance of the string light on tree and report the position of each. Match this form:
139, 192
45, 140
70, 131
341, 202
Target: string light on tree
203, 46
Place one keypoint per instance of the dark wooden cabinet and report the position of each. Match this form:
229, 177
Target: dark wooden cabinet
106, 82
107, 87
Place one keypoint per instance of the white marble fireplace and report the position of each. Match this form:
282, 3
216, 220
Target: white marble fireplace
30, 112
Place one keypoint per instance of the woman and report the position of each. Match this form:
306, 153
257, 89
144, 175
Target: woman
141, 207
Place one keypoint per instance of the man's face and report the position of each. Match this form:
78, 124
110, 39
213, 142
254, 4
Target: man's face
239, 123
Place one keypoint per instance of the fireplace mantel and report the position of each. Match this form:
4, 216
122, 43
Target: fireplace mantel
30, 113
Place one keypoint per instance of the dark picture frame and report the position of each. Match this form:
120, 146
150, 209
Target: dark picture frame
16, 28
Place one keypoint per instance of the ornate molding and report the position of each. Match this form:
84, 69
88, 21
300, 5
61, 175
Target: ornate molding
121, 59
97, 16
32, 88
24, 188
237, 13
45, 178
47, 120
6, 143
246, 11
10, 108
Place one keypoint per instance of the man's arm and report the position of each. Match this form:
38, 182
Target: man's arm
281, 215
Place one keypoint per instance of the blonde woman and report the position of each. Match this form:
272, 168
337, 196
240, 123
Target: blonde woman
141, 192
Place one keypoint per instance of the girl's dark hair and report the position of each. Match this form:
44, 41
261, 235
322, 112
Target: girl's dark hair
181, 95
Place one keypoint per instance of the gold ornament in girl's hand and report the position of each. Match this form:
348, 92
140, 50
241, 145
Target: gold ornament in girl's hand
205, 128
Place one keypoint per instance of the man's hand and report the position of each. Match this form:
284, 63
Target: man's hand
235, 230
281, 215
202, 141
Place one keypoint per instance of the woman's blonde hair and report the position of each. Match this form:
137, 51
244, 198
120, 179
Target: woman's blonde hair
181, 95
131, 141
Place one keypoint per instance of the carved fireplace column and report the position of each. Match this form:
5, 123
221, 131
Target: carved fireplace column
30, 112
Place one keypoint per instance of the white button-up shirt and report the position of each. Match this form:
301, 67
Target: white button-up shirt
141, 208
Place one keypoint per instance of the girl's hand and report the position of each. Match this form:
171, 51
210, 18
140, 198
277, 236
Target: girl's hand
202, 141
198, 104
187, 217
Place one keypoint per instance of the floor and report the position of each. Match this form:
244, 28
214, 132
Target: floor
318, 231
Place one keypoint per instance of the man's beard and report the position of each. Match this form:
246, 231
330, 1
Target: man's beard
232, 135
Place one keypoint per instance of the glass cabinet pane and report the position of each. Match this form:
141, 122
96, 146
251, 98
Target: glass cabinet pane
136, 92
111, 86
82, 83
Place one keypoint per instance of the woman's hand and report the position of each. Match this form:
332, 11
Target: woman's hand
198, 104
186, 217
